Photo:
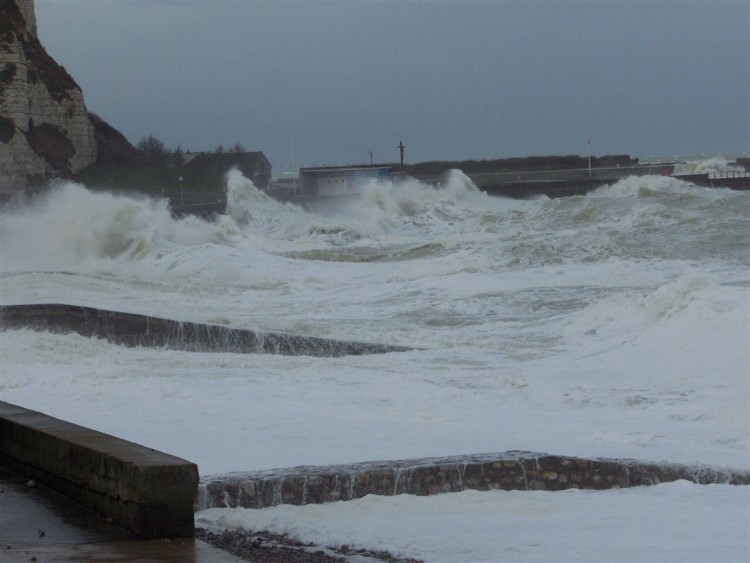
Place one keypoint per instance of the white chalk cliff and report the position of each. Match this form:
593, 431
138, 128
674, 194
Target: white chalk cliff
45, 128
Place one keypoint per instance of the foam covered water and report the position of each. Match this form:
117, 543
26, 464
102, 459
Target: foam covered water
613, 324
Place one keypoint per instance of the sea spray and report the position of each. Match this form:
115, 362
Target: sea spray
257, 214
71, 225
716, 164
366, 218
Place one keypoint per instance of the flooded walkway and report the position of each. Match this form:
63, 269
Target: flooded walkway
37, 524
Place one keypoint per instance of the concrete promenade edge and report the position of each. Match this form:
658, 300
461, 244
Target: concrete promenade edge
144, 491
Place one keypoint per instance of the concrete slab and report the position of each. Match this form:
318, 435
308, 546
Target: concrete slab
37, 524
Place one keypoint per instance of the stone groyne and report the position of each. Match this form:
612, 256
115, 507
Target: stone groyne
507, 471
140, 330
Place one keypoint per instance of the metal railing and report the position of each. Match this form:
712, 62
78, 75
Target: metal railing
724, 174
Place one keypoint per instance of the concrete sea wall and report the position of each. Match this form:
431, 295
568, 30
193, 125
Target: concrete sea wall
141, 330
144, 491
506, 471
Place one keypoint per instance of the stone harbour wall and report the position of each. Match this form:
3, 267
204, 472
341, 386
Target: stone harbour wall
505, 471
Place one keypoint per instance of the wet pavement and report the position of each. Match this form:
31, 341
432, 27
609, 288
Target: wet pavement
37, 524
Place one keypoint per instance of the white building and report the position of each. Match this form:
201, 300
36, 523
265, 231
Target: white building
335, 180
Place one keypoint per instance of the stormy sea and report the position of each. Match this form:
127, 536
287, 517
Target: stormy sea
608, 325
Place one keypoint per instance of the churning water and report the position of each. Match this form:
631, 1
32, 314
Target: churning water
613, 324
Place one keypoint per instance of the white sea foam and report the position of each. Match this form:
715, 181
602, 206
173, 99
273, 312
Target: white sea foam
671, 522
611, 325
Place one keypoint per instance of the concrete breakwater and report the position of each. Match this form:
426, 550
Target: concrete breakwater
144, 491
141, 330
506, 471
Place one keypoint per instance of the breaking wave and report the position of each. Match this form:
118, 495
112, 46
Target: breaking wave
643, 218
717, 164
637, 311
71, 225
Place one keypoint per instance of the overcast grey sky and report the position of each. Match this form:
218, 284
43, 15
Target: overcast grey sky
326, 82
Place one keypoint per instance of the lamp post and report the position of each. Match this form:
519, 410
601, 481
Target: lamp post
589, 143
182, 200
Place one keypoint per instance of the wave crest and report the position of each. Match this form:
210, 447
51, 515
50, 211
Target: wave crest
72, 225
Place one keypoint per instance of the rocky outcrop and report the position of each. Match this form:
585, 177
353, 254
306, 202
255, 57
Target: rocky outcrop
45, 129
112, 148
